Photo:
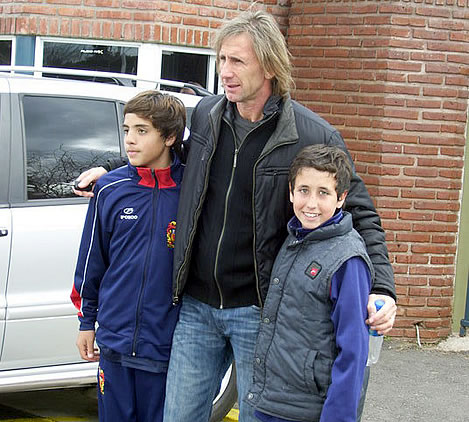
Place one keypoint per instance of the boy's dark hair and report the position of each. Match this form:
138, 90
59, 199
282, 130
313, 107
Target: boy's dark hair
323, 158
166, 113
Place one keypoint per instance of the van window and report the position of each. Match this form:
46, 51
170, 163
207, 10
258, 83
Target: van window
65, 136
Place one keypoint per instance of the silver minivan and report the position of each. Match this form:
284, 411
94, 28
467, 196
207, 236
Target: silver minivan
51, 130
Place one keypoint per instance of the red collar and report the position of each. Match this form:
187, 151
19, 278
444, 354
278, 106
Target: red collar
163, 176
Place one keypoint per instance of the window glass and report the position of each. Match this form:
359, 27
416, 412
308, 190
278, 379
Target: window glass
184, 67
5, 52
104, 58
65, 136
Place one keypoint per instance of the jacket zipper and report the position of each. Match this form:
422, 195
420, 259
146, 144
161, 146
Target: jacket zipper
196, 217
147, 260
256, 274
227, 197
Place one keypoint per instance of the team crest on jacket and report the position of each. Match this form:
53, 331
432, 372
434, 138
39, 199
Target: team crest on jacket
313, 270
101, 380
171, 234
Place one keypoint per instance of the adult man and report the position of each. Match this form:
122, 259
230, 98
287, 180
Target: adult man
233, 213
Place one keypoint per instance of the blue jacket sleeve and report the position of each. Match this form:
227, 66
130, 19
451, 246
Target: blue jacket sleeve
350, 287
91, 266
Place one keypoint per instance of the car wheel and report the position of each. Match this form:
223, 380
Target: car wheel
226, 397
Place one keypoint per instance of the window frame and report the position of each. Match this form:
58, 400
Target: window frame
13, 47
149, 58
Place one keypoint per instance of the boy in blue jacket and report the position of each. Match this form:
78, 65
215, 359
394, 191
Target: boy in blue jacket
123, 274
312, 347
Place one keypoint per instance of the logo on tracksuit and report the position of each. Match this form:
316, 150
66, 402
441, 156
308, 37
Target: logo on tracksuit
171, 234
128, 214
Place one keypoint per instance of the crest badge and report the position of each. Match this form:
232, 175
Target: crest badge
171, 234
101, 380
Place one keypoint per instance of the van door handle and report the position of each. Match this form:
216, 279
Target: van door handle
3, 232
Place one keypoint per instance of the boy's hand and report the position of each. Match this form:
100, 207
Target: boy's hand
87, 178
85, 344
383, 320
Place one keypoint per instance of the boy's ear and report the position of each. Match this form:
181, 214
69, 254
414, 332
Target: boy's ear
291, 192
170, 140
341, 199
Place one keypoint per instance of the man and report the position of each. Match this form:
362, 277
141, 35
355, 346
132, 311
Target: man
233, 213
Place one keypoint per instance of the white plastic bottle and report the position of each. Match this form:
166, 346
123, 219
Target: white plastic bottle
376, 340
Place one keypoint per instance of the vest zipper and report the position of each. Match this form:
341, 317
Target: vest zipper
147, 260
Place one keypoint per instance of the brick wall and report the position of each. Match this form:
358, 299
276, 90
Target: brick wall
179, 22
392, 77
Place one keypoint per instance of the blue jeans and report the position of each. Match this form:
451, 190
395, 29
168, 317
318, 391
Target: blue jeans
204, 343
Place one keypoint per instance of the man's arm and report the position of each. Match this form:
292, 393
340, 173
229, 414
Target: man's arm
367, 222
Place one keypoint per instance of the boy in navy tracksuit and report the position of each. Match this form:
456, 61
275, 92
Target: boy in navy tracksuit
312, 347
123, 274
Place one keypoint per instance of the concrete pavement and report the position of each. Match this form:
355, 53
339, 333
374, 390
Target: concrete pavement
414, 384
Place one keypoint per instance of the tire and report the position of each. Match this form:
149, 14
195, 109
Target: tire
227, 396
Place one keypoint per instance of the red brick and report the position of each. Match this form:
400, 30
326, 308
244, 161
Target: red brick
438, 184
431, 115
412, 259
421, 172
433, 270
427, 79
423, 103
396, 225
418, 193
416, 216
436, 227
442, 260
420, 150
411, 281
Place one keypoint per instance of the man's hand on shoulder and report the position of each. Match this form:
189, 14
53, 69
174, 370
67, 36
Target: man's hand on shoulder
383, 320
88, 179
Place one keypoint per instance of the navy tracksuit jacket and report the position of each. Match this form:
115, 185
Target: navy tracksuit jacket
124, 269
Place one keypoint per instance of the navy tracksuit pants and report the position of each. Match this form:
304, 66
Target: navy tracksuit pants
128, 394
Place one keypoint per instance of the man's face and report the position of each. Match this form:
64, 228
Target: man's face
241, 73
144, 144
314, 197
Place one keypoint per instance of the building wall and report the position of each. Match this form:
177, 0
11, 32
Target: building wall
392, 76
188, 23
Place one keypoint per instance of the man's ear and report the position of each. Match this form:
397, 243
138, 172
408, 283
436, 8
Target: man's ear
291, 192
269, 75
341, 199
170, 140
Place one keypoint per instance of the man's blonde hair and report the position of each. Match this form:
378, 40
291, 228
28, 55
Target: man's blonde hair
269, 45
